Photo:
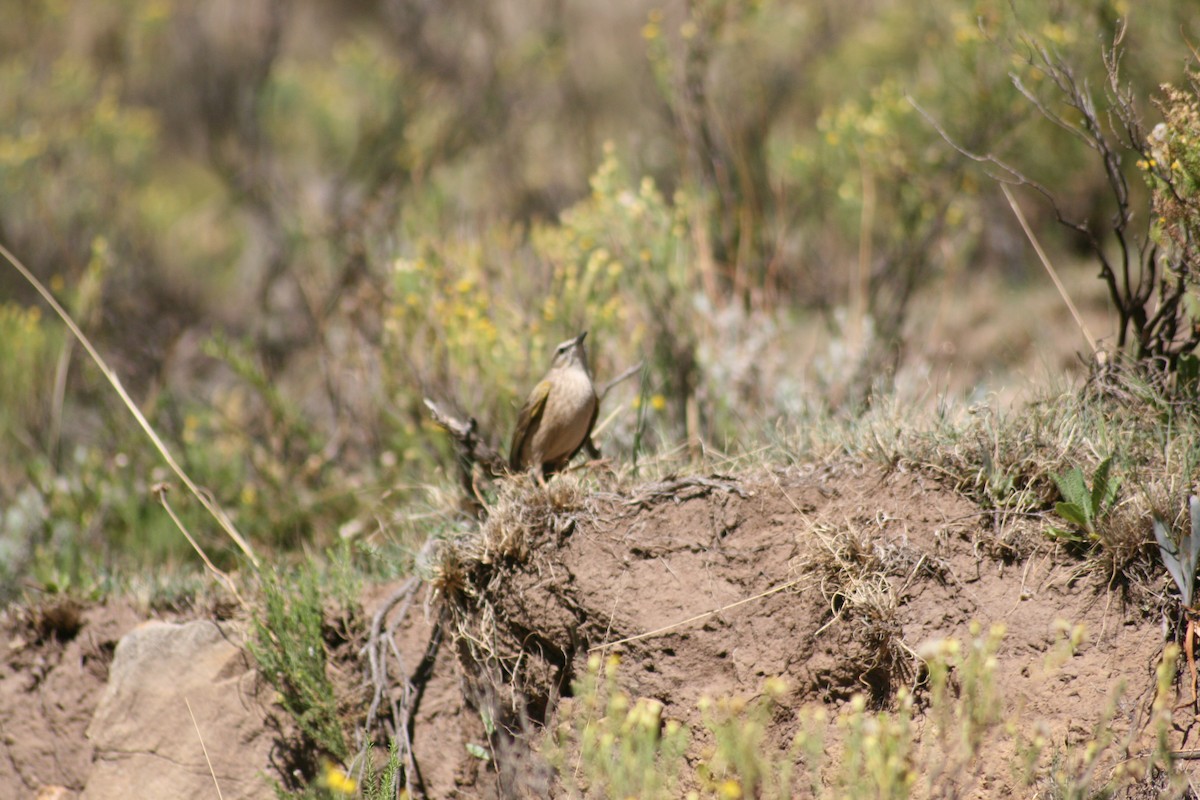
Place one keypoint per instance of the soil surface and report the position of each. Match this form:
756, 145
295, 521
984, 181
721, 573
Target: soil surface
830, 577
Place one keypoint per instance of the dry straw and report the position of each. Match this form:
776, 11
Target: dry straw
209, 504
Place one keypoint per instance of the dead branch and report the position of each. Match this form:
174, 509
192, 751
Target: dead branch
471, 449
629, 373
679, 489
1146, 285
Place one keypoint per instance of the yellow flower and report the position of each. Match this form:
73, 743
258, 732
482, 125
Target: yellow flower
730, 790
191, 424
338, 781
658, 402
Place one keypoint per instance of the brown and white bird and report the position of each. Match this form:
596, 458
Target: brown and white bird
557, 418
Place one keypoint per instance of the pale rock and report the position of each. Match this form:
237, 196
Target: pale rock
146, 743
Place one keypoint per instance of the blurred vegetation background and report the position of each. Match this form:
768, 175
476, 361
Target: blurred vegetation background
287, 223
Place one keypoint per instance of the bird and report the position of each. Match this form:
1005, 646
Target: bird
557, 418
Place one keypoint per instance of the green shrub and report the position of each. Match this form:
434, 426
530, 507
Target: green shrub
289, 646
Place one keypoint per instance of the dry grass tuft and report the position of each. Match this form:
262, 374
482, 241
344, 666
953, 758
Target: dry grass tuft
527, 508
851, 569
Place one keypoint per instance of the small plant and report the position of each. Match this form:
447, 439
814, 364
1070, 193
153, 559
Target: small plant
878, 756
1082, 505
619, 747
385, 785
290, 651
742, 764
964, 704
1181, 559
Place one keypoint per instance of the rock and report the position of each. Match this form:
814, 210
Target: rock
147, 742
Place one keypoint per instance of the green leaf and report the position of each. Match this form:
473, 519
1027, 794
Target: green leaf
1074, 514
1189, 552
1168, 550
1104, 490
489, 723
1191, 542
1065, 535
1073, 488
478, 751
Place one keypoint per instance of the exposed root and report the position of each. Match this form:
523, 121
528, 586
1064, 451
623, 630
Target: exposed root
402, 701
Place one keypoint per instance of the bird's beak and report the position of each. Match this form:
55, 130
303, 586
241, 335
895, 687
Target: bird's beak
579, 338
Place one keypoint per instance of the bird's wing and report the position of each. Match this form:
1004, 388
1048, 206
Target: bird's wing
587, 437
531, 414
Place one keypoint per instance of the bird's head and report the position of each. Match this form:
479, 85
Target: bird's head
570, 353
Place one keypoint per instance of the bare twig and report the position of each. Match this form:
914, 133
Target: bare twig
680, 489
1058, 284
472, 449
381, 646
698, 617
626, 375
1146, 286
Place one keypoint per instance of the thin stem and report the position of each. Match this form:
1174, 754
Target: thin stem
211, 506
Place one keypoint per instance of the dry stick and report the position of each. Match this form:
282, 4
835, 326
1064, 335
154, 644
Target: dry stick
596, 431
698, 617
160, 491
629, 373
216, 511
860, 286
1058, 284
207, 760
